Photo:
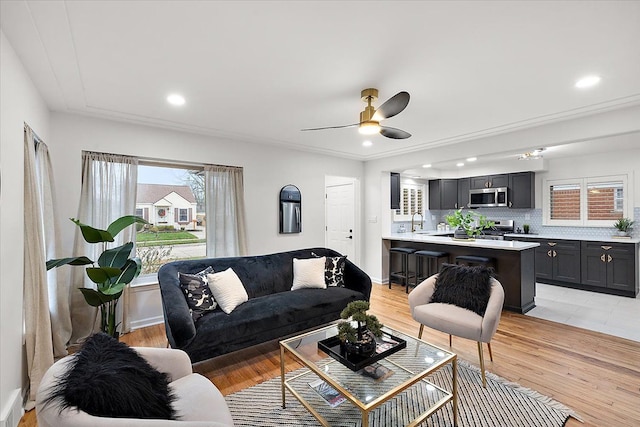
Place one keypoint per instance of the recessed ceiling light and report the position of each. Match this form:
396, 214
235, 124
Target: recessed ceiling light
588, 81
459, 164
175, 99
427, 166
471, 159
367, 143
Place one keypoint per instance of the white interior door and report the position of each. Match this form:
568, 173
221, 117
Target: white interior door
340, 219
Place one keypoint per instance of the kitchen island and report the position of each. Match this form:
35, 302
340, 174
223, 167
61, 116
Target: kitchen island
514, 261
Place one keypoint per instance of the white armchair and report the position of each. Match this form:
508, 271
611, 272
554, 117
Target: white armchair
198, 402
454, 320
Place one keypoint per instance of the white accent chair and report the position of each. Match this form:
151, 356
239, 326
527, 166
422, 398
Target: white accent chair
454, 320
198, 402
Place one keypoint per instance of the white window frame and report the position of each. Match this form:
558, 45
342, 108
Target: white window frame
583, 183
186, 214
397, 215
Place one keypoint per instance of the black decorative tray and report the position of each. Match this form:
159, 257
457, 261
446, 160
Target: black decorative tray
386, 346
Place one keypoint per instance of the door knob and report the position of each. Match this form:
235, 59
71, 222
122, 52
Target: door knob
349, 237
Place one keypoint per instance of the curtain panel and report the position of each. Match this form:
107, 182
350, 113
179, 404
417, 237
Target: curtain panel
37, 321
109, 183
225, 211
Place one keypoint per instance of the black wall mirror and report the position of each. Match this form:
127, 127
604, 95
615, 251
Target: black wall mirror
290, 210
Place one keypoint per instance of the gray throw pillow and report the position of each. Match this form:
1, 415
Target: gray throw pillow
197, 293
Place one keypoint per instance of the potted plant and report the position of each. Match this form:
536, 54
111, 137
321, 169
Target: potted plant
624, 226
468, 225
525, 227
111, 272
359, 340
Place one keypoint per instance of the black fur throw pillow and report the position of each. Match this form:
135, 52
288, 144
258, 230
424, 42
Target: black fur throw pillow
106, 378
466, 287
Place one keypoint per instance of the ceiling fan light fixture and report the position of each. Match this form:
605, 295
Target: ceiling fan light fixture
370, 127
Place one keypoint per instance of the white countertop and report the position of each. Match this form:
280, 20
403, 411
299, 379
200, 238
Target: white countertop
425, 237
574, 237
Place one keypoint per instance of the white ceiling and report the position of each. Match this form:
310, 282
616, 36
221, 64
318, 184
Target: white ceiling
261, 71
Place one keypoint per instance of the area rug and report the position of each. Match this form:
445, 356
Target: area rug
501, 404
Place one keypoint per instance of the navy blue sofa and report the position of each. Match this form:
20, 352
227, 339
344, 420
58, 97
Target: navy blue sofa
273, 310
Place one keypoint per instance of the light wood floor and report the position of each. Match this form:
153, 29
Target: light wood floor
597, 375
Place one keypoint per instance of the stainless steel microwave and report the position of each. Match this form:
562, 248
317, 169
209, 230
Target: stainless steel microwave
488, 197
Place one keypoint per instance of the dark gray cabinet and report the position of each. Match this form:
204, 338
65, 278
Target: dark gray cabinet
489, 181
522, 190
443, 193
609, 265
395, 190
558, 260
463, 193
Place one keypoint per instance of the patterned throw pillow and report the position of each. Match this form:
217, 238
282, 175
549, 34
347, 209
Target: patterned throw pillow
197, 292
334, 270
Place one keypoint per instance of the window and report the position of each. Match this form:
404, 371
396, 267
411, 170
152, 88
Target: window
171, 199
411, 201
594, 201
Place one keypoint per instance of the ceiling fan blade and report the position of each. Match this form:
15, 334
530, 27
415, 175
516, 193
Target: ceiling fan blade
333, 127
392, 106
393, 133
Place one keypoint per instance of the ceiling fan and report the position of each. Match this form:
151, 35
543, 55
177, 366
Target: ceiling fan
370, 118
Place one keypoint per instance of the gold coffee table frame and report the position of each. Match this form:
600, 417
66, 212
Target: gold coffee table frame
301, 347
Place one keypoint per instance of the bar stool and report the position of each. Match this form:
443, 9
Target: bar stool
476, 260
430, 257
404, 274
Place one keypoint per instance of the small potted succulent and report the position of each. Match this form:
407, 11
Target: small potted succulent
624, 226
360, 340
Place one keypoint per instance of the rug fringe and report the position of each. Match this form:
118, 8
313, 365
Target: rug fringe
524, 390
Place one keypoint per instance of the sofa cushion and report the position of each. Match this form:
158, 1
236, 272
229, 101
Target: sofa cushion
227, 289
308, 273
106, 378
197, 292
269, 317
466, 287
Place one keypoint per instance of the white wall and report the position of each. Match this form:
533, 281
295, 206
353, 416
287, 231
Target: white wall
19, 103
266, 170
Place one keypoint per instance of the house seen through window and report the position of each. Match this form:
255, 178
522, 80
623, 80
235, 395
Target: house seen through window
171, 199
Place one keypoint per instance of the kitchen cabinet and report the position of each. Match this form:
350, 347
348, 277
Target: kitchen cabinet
558, 260
489, 181
609, 265
463, 193
395, 190
522, 190
443, 193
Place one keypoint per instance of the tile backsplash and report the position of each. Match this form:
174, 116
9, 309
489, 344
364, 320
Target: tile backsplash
533, 217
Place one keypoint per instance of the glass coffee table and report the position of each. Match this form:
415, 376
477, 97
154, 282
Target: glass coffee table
334, 393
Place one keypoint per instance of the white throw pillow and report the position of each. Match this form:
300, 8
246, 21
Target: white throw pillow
308, 273
227, 289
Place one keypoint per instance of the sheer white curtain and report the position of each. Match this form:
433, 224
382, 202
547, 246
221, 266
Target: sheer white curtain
109, 183
37, 323
225, 213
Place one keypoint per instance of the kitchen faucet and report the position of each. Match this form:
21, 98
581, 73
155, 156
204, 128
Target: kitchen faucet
413, 227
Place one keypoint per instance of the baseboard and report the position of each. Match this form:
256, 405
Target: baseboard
143, 323
12, 412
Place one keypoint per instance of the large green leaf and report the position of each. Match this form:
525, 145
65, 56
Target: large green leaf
112, 289
123, 222
101, 275
93, 235
130, 271
95, 298
115, 257
79, 260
